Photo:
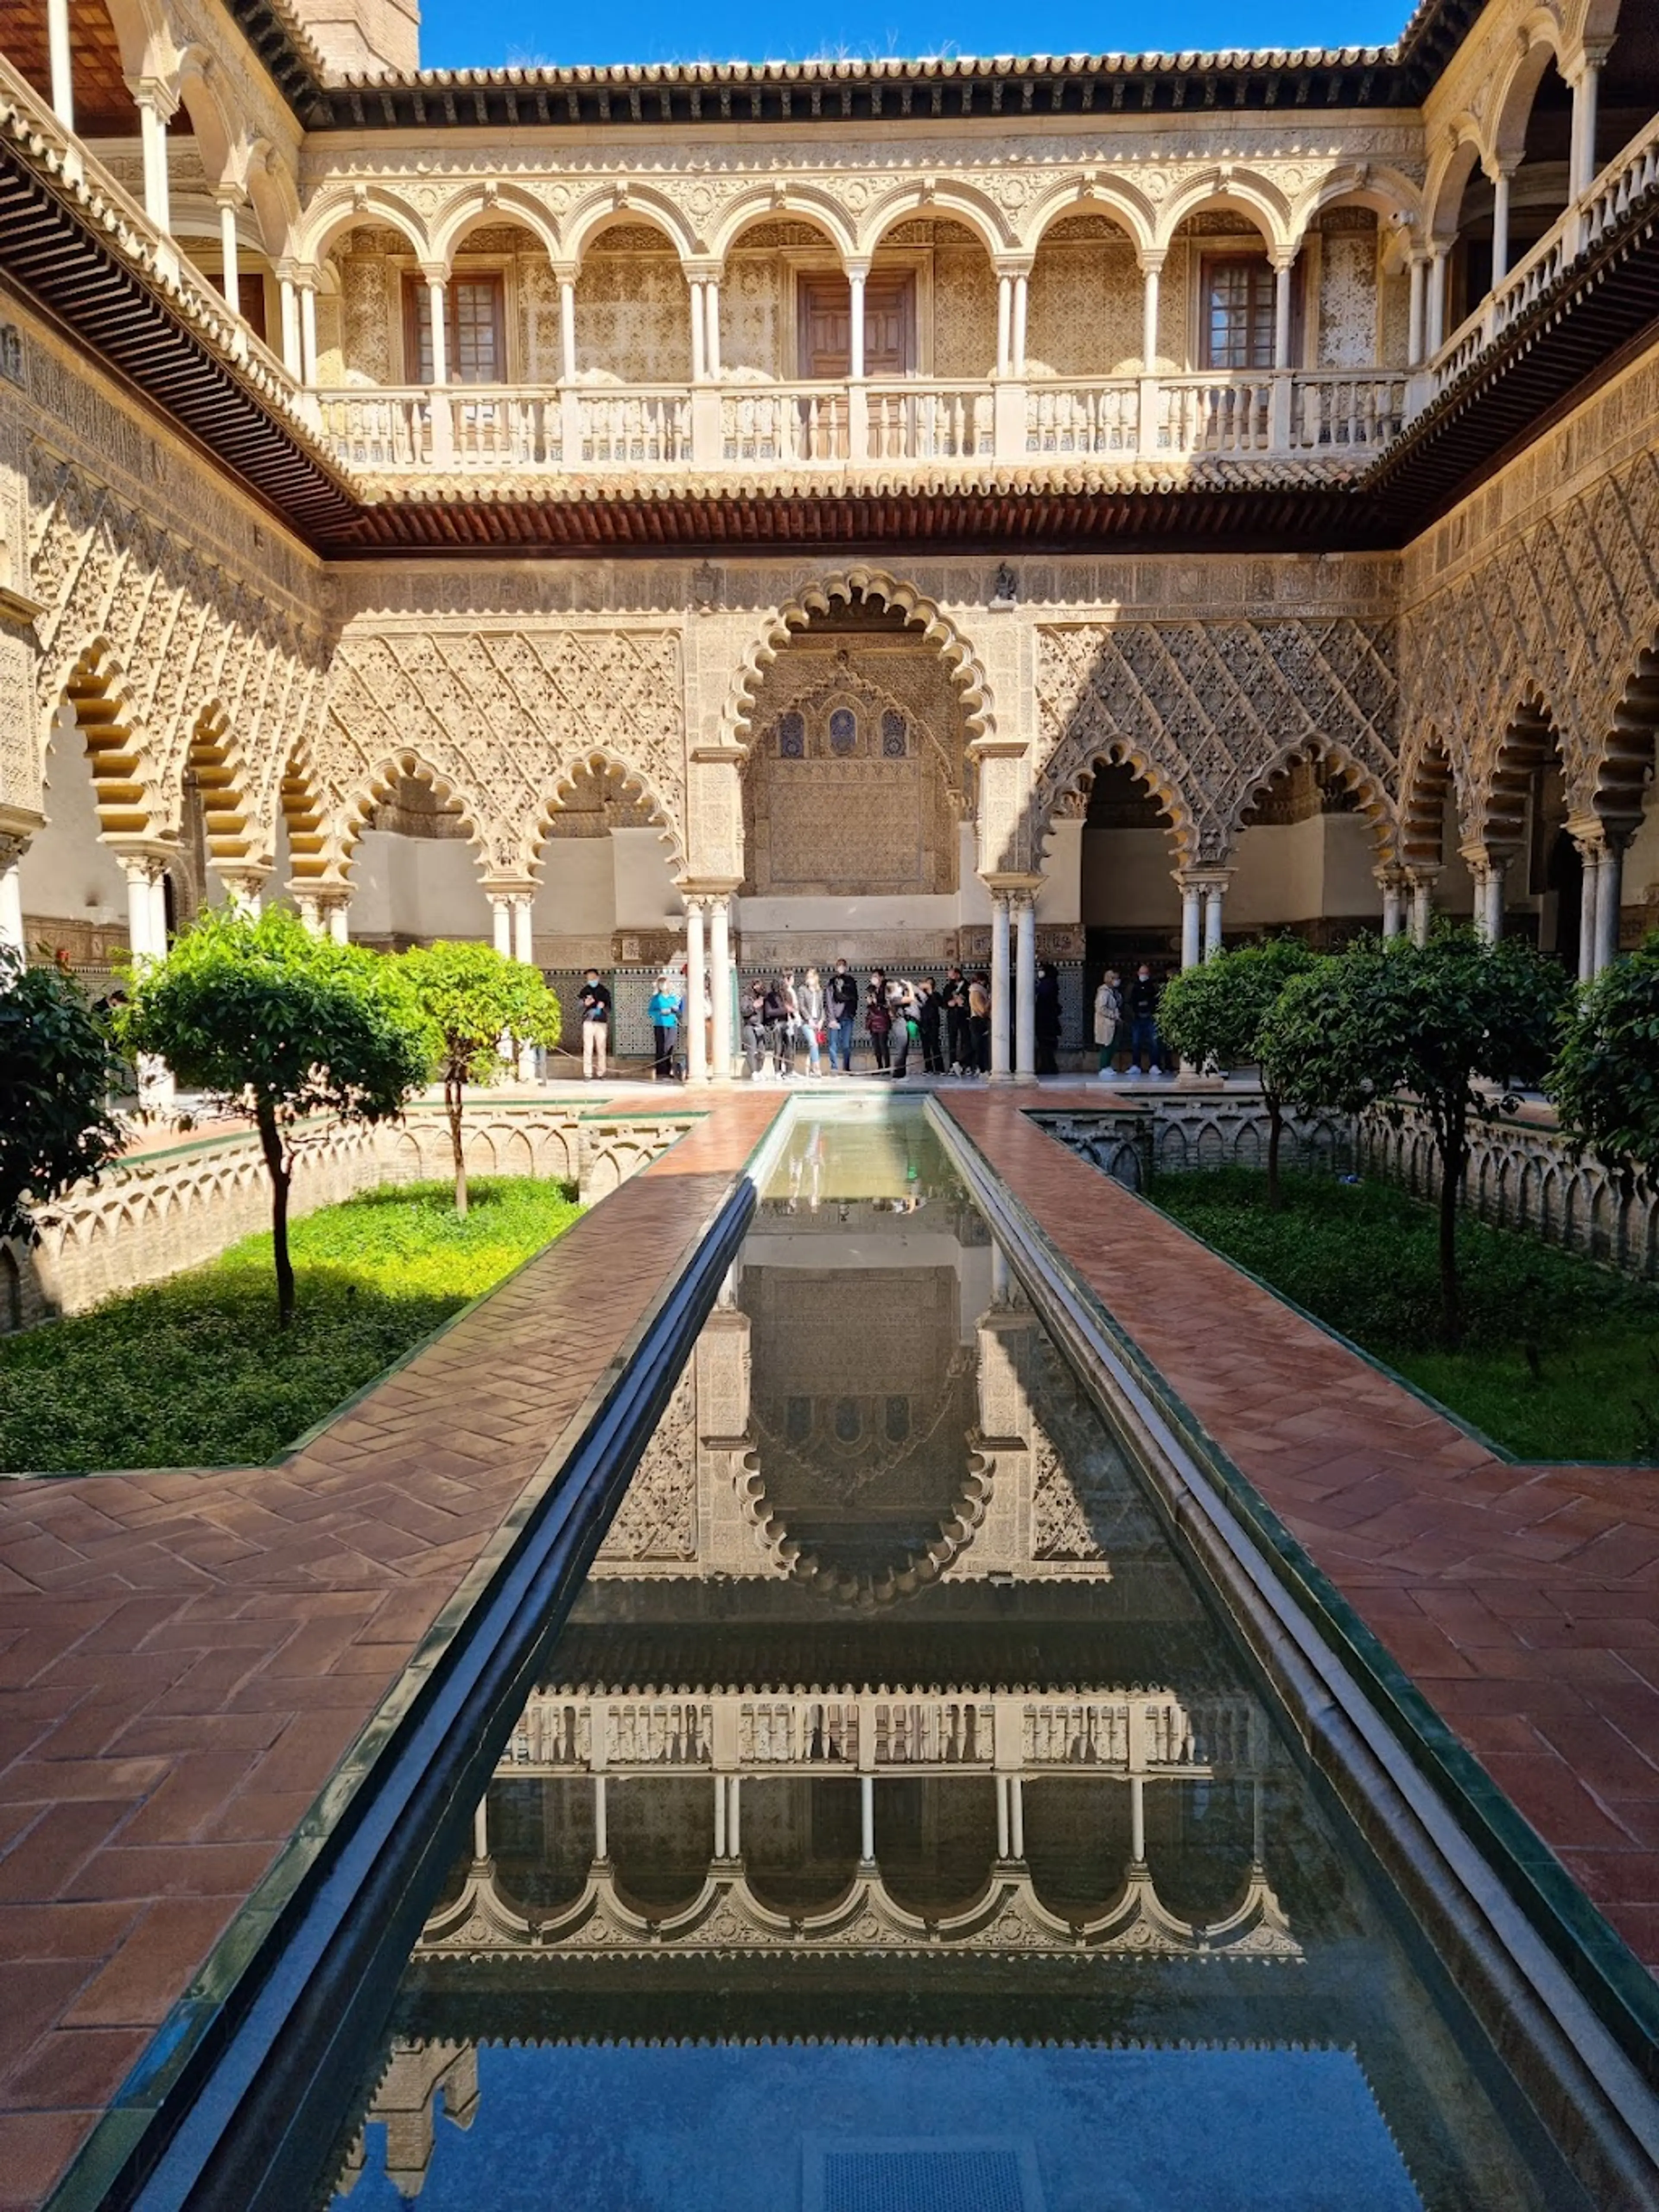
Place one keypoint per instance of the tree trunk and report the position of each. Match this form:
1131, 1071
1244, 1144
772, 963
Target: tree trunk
453, 1100
280, 1173
1275, 1130
1451, 1182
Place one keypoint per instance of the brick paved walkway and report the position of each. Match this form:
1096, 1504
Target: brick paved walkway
184, 1657
1524, 1600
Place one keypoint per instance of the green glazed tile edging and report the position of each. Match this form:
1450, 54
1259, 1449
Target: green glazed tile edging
1601, 1964
189, 2026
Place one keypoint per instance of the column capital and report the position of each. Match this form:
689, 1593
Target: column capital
13, 843
434, 272
154, 92
701, 269
230, 195
1392, 875
1203, 879
510, 887
146, 863
1149, 259
1284, 257
1591, 56
1012, 264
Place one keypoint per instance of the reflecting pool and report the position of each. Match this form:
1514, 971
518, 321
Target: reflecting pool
897, 1829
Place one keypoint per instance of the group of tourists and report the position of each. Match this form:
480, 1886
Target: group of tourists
946, 1026
1128, 1015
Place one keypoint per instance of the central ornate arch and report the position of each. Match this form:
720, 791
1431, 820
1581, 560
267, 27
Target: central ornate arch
818, 599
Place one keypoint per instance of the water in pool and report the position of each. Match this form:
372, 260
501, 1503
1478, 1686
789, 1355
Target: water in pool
894, 1828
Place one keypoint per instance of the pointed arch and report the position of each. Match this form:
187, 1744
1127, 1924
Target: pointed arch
97, 687
379, 784
1064, 784
1374, 803
817, 598
1625, 763
1531, 739
1425, 779
601, 761
305, 812
230, 821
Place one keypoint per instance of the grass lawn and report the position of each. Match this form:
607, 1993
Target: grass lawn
194, 1372
1560, 1358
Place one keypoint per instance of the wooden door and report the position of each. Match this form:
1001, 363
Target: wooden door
825, 337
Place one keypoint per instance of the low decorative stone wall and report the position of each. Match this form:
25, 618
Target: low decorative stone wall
1522, 1177
178, 1208
1169, 1131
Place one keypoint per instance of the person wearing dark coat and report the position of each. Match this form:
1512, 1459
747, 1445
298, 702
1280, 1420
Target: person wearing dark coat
1047, 1019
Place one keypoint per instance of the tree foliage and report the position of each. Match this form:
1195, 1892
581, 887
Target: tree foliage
1605, 1081
472, 998
1213, 1015
1389, 1023
58, 1067
285, 1024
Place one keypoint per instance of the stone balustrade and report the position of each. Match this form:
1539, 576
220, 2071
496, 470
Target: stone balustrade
180, 1207
1315, 416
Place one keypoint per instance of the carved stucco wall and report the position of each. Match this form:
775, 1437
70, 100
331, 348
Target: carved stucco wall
1347, 296
194, 606
1207, 710
502, 717
633, 311
878, 817
1543, 588
1086, 310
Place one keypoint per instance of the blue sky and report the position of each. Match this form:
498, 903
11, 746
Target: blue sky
455, 34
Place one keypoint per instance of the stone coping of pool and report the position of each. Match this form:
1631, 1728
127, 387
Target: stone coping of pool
196, 1676
1177, 1323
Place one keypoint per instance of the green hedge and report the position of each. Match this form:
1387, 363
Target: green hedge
1561, 1357
194, 1372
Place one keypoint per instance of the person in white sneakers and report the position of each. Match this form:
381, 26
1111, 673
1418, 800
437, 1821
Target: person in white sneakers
596, 1024
1108, 1013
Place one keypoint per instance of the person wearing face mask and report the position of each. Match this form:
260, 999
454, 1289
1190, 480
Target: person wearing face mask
811, 1003
1141, 1003
879, 1021
596, 1024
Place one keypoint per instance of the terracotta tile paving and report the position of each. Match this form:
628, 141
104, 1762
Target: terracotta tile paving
1524, 1600
183, 1656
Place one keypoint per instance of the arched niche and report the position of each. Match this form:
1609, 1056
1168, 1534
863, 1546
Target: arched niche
414, 865
1306, 852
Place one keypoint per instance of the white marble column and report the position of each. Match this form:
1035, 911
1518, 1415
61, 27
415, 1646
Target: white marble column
999, 1069
696, 987
1024, 907
698, 329
1017, 342
601, 1833
501, 921
339, 925
855, 333
307, 289
1488, 870
1215, 894
289, 303
1589, 852
1610, 889
1422, 883
158, 912
1151, 270
230, 282
567, 329
156, 103
147, 938
1005, 322
1192, 922
1138, 1820
524, 948
1418, 270
1586, 83
61, 62
720, 983
12, 850
1283, 272
1017, 1815
1393, 887
1500, 227
711, 343
867, 1820
1434, 336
